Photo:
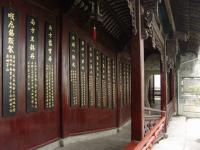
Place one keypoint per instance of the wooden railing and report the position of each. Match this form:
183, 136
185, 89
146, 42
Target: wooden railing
152, 116
153, 133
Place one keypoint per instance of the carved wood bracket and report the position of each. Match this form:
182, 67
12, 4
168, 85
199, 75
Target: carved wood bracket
172, 50
132, 7
151, 30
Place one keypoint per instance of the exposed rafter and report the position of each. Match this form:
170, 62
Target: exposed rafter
170, 15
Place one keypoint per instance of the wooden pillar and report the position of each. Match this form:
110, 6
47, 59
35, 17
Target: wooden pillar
163, 87
137, 83
163, 75
153, 90
174, 89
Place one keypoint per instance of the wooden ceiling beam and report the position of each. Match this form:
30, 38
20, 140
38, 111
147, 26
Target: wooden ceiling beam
170, 15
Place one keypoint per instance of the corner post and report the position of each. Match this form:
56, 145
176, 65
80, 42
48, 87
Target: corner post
163, 73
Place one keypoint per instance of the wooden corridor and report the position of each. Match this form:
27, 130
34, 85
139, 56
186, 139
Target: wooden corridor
71, 68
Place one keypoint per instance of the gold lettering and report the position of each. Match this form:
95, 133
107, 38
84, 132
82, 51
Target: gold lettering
32, 56
11, 25
50, 28
11, 40
11, 16
50, 58
50, 43
10, 49
32, 39
50, 35
50, 50
11, 33
32, 47
32, 30
32, 21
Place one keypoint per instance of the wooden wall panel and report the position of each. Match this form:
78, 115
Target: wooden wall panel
77, 120
124, 90
28, 129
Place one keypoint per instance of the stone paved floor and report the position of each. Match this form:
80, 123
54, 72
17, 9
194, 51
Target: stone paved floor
111, 142
183, 134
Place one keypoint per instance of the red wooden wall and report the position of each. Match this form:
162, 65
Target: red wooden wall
32, 129
29, 129
124, 101
76, 119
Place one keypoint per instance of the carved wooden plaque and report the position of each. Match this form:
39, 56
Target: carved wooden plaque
98, 78
83, 74
121, 90
109, 83
10, 36
128, 83
91, 72
32, 63
73, 67
114, 81
125, 84
104, 80
49, 65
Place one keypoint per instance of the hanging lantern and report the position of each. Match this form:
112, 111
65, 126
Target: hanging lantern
95, 16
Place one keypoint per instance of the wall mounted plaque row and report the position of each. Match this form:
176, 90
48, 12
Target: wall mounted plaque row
10, 36
32, 63
92, 76
124, 84
49, 65
10, 59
